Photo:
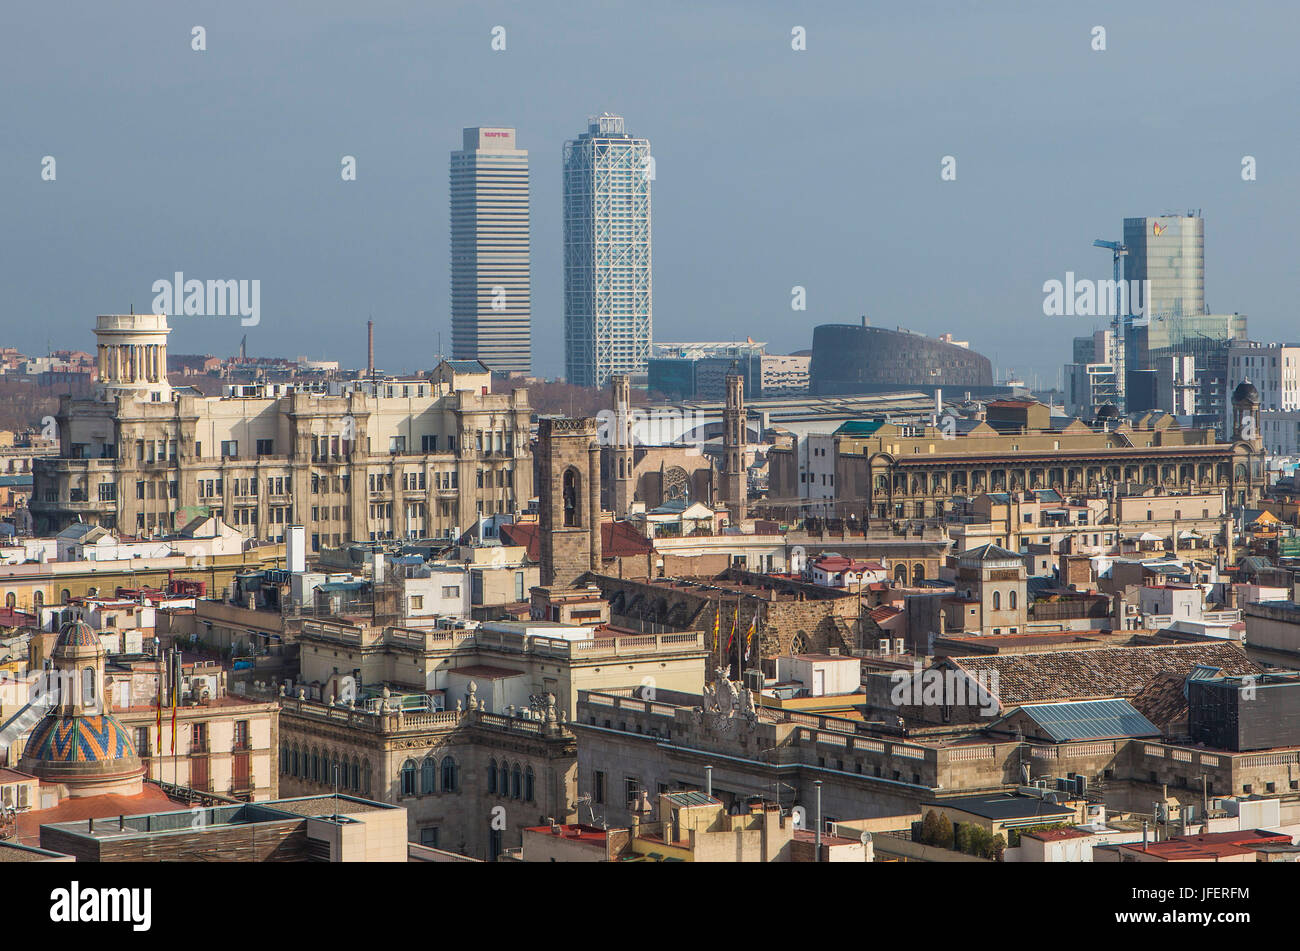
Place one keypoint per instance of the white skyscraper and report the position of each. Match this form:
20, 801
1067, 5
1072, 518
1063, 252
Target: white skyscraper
491, 298
607, 283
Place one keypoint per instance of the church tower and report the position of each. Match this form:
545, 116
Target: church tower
735, 484
569, 499
622, 458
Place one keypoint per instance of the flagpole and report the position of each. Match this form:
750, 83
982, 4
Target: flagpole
740, 664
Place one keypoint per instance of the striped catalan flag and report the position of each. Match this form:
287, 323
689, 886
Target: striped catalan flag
176, 689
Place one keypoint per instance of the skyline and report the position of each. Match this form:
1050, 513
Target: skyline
157, 174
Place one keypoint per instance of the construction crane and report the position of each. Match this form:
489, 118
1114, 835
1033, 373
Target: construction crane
1118, 324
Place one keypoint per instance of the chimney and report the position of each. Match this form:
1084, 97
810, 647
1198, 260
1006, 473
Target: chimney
370, 348
295, 551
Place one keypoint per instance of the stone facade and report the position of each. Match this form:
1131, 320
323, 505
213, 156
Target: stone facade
378, 459
470, 781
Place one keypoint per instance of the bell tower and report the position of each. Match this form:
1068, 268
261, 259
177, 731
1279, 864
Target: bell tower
569, 499
735, 488
622, 458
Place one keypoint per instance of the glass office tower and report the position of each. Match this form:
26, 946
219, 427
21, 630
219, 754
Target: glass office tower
607, 283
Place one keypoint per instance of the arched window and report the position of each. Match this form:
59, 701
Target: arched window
293, 762
365, 778
515, 776
88, 686
65, 596
92, 591
336, 773
528, 784
997, 600
11, 600
504, 788
918, 573
1011, 600
356, 775
448, 774
492, 775
408, 778
284, 758
570, 498
315, 765
429, 775
38, 599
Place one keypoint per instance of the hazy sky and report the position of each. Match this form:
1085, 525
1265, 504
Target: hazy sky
774, 168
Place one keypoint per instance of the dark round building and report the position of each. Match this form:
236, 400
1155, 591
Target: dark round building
852, 358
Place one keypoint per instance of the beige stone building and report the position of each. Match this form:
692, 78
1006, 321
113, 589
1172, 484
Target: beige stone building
887, 470
370, 459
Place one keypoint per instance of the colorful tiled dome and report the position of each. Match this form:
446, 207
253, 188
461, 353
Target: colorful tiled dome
70, 740
77, 639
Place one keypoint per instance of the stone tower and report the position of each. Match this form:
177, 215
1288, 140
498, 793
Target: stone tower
621, 457
735, 485
569, 498
1245, 414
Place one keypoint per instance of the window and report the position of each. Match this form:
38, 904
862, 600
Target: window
997, 601
428, 443
241, 735
570, 499
451, 591
528, 784
429, 837
449, 783
516, 784
417, 602
429, 776
230, 449
265, 447
598, 787
408, 777
1011, 600
396, 444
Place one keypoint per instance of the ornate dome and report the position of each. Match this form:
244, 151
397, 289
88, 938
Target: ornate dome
77, 639
1245, 394
75, 739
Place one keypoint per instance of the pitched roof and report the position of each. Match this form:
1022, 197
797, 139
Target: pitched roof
1097, 672
1163, 702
